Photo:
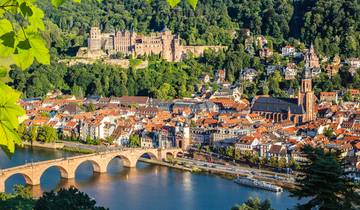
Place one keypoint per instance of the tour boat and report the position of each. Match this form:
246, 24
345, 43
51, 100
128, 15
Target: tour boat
251, 182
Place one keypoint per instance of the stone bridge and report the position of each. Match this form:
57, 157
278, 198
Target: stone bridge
32, 172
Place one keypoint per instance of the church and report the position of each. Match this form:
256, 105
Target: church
298, 110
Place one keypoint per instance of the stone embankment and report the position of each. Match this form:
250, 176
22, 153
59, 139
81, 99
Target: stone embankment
56, 145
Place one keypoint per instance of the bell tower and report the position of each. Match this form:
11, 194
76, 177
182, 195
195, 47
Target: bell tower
306, 98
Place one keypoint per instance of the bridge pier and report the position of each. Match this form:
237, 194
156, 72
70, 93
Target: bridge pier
100, 168
2, 185
129, 164
35, 179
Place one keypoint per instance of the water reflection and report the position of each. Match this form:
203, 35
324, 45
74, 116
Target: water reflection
149, 187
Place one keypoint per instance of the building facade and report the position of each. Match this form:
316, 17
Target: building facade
165, 44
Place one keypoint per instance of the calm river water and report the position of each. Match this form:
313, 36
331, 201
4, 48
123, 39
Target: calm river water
144, 187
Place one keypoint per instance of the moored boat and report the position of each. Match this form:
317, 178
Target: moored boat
251, 182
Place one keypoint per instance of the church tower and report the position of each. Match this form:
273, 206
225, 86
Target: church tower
306, 98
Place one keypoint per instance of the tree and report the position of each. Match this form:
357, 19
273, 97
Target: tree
22, 131
247, 156
109, 140
329, 133
90, 107
207, 149
134, 141
262, 162
33, 133
70, 198
230, 151
294, 165
47, 134
282, 163
254, 204
254, 159
20, 199
92, 141
237, 154
273, 162
347, 96
324, 173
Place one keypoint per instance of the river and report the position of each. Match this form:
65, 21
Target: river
144, 187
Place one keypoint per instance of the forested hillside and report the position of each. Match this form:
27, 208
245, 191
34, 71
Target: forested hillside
332, 25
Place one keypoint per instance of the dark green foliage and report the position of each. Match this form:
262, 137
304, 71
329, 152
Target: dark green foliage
332, 25
91, 141
20, 199
70, 199
47, 134
134, 141
161, 79
254, 204
324, 173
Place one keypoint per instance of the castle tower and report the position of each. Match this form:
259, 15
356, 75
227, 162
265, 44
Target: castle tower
94, 41
167, 44
306, 98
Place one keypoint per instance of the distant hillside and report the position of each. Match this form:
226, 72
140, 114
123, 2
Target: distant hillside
332, 25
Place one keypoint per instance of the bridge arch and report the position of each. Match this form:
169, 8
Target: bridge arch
63, 172
151, 154
179, 154
169, 155
126, 160
27, 178
97, 167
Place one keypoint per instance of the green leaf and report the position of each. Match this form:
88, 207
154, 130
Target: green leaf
23, 58
25, 10
193, 3
7, 38
7, 43
36, 20
8, 138
9, 113
40, 51
5, 26
173, 3
3, 71
9, 109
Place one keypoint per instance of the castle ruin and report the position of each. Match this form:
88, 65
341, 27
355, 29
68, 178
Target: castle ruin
163, 43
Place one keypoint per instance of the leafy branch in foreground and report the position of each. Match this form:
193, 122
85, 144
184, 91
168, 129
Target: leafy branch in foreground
9, 113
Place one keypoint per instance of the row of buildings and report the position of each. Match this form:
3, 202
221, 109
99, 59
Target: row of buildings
268, 127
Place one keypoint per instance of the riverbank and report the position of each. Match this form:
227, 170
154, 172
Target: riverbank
59, 146
56, 145
219, 172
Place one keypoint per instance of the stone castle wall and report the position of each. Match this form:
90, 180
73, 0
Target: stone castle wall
165, 44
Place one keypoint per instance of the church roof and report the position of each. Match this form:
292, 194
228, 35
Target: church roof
278, 105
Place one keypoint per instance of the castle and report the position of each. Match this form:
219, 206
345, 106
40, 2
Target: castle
164, 43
